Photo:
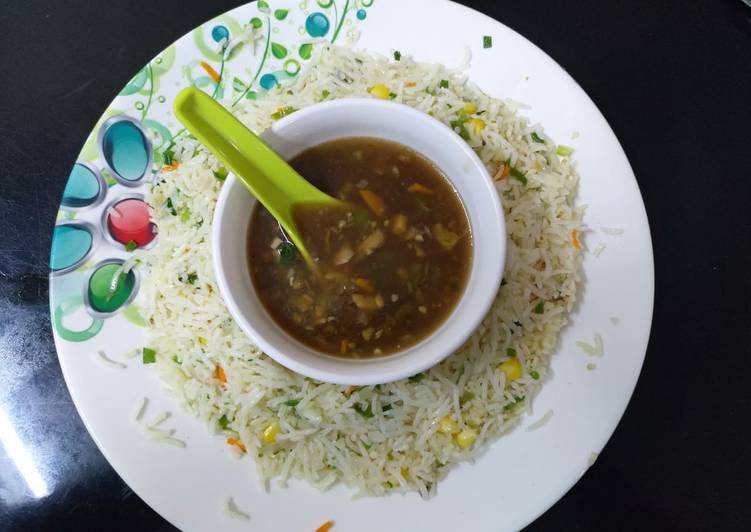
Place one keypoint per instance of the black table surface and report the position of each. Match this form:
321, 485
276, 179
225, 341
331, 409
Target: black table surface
673, 78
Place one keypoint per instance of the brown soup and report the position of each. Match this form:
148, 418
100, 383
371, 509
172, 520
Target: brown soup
391, 268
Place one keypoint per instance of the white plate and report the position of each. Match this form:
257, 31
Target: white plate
519, 476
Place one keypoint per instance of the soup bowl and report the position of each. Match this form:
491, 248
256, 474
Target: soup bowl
399, 123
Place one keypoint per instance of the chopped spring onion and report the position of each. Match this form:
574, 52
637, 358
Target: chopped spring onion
537, 138
171, 207
221, 173
224, 422
444, 84
291, 402
397, 55
149, 355
487, 41
287, 253
169, 157
563, 151
364, 412
511, 352
540, 307
192, 278
535, 375
417, 378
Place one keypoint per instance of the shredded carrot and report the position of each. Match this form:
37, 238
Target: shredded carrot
211, 72
575, 239
237, 443
325, 527
421, 189
411, 84
170, 167
220, 374
373, 201
502, 173
343, 347
349, 390
364, 285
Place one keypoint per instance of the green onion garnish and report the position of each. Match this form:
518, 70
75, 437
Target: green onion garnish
511, 352
171, 207
540, 307
287, 253
534, 375
221, 173
291, 402
192, 278
466, 397
487, 41
563, 151
149, 355
537, 138
417, 378
397, 55
444, 84
392, 95
169, 157
364, 412
224, 422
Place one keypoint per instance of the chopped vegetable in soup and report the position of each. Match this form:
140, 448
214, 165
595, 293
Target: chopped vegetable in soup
392, 263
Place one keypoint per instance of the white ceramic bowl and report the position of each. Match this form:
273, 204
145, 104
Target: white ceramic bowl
364, 118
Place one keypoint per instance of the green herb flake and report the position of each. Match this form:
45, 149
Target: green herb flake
169, 157
511, 352
149, 355
170, 207
131, 245
537, 138
185, 215
397, 55
392, 95
417, 378
540, 307
487, 41
192, 278
444, 84
564, 151
367, 445
282, 112
291, 402
325, 94
220, 174
176, 360
224, 422
364, 412
466, 397
386, 408
534, 375
516, 174
287, 253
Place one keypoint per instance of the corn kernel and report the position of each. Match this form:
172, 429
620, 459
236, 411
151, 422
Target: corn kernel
380, 91
203, 341
404, 471
478, 124
466, 438
269, 435
448, 426
470, 107
512, 368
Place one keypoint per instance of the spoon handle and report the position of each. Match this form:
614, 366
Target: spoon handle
274, 182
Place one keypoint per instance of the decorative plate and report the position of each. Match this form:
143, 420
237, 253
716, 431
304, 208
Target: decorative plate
241, 54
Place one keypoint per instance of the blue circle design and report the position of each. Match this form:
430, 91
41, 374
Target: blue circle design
361, 14
317, 24
219, 33
269, 81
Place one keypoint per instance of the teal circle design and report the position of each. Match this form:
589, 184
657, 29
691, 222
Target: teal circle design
71, 243
317, 24
219, 33
82, 189
269, 81
292, 67
361, 14
125, 149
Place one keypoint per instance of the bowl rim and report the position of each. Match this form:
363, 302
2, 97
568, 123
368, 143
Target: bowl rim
406, 369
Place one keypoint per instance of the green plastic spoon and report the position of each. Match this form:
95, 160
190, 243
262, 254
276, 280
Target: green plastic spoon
271, 180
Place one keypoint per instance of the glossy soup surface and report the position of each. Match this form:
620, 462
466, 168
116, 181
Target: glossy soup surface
392, 266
